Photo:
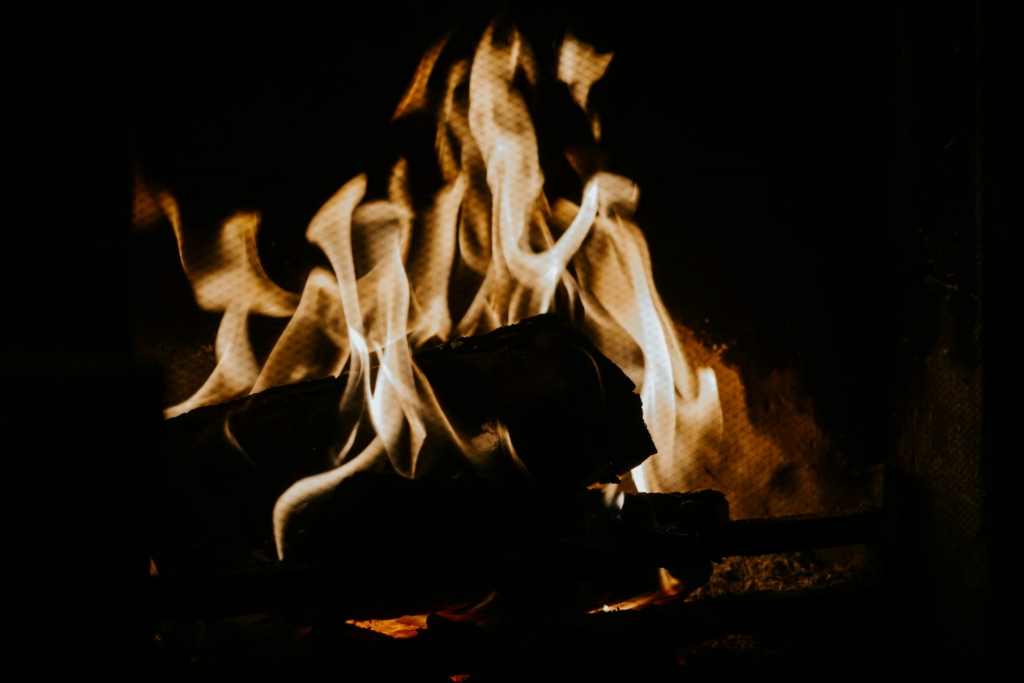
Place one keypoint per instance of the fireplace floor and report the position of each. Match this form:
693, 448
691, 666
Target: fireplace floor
776, 617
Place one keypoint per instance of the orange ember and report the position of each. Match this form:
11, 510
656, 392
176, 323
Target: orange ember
402, 627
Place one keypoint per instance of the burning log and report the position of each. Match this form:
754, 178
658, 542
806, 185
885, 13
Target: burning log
521, 538
537, 400
354, 589
391, 546
383, 546
572, 415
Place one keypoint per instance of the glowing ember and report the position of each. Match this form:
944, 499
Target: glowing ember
403, 627
392, 264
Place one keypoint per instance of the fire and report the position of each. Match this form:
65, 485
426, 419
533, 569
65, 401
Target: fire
579, 67
402, 627
228, 278
393, 264
670, 586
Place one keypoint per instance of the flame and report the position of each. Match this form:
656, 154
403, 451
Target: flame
505, 439
415, 97
580, 66
393, 265
228, 277
670, 587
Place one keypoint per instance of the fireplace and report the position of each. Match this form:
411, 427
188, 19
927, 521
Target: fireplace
765, 187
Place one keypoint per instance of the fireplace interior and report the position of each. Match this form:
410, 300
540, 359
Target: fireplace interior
819, 190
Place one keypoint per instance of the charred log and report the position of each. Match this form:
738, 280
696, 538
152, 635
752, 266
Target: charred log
549, 547
382, 546
572, 416
525, 576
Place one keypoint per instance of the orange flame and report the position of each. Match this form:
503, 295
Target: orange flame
670, 587
386, 293
416, 96
580, 66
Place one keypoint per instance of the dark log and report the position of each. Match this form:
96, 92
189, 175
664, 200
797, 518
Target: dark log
536, 543
573, 418
359, 590
767, 536
382, 546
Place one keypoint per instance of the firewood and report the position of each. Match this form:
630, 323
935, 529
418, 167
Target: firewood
364, 587
550, 547
573, 418
572, 414
469, 517
382, 546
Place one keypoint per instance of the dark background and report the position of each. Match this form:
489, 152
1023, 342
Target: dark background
748, 128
